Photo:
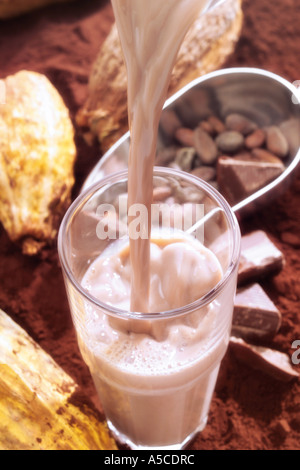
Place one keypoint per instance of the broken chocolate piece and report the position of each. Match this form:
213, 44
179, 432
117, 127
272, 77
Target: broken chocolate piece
255, 316
272, 362
239, 178
259, 257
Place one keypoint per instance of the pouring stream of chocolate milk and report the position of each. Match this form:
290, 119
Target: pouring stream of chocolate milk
151, 33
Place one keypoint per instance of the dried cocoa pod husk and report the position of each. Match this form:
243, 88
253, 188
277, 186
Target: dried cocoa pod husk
207, 45
36, 407
11, 8
37, 154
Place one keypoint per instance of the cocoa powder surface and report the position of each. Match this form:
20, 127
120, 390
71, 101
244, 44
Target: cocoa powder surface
249, 409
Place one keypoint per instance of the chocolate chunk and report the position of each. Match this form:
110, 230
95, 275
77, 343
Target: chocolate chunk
259, 257
272, 362
263, 155
239, 178
255, 316
205, 146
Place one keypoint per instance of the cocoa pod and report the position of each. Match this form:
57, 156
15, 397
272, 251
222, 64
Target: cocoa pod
205, 48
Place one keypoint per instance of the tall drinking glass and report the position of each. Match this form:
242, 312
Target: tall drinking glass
155, 372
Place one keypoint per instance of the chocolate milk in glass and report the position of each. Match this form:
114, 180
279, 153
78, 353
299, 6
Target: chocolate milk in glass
155, 384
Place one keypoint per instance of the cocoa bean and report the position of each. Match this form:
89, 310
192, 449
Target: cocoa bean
255, 139
185, 157
290, 130
239, 123
207, 127
217, 125
185, 136
230, 141
205, 146
276, 142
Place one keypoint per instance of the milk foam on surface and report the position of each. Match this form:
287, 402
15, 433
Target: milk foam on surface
181, 272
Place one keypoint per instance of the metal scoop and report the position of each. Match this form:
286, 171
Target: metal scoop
261, 96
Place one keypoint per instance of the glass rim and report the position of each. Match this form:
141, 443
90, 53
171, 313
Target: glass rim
85, 196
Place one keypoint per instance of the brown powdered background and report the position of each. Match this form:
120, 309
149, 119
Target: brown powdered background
249, 409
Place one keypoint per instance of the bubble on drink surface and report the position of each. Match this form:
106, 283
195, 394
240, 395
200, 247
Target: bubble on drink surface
87, 287
145, 356
130, 359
